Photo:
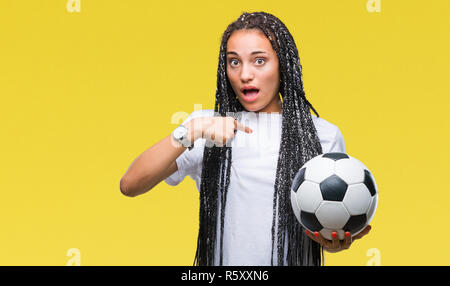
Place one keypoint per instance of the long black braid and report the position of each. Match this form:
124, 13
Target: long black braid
299, 143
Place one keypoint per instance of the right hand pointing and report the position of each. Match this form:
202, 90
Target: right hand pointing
219, 130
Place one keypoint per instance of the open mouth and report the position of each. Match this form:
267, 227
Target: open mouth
250, 94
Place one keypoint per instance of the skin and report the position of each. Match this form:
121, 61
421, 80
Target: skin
336, 245
261, 70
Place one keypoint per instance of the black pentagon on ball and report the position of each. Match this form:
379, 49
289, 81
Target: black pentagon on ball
355, 223
310, 221
333, 188
368, 181
298, 179
335, 156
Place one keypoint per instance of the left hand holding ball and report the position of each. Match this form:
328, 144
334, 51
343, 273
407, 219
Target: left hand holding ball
336, 245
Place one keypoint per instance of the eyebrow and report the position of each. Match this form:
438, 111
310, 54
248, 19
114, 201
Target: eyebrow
253, 53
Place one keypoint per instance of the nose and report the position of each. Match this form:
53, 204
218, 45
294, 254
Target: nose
246, 73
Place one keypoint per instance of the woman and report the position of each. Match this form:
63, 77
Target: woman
245, 212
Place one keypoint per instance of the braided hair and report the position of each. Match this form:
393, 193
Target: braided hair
299, 143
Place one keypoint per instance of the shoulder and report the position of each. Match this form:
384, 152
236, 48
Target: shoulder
200, 113
324, 126
203, 112
329, 134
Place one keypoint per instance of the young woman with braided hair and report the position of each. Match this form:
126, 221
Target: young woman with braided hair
246, 216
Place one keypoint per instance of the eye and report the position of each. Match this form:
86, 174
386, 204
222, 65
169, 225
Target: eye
261, 61
231, 62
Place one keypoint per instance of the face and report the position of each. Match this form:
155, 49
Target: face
253, 71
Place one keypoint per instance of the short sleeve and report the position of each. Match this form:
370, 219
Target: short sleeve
338, 144
189, 163
330, 136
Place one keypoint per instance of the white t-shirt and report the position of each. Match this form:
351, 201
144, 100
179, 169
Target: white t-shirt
249, 210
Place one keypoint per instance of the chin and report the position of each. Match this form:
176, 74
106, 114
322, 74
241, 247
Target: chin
250, 109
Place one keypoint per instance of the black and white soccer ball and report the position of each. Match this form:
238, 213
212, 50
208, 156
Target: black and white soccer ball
334, 192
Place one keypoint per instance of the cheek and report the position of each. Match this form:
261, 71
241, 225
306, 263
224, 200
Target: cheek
271, 79
231, 77
234, 81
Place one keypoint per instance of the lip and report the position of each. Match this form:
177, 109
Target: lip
248, 87
249, 98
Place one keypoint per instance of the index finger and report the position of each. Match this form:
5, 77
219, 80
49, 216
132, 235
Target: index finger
239, 126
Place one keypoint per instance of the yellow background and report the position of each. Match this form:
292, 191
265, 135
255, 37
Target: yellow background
83, 94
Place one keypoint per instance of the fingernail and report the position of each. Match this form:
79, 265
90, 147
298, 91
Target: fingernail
347, 234
306, 231
316, 234
334, 234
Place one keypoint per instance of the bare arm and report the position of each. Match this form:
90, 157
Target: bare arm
159, 161
152, 166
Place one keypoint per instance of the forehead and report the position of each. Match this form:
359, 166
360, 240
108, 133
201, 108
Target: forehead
246, 41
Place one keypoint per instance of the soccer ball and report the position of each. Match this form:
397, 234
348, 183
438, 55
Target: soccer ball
334, 192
